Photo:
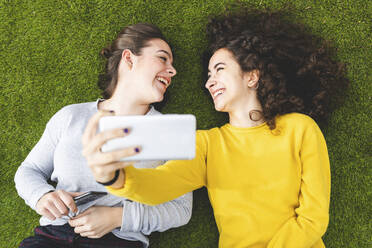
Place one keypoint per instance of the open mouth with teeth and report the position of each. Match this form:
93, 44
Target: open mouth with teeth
217, 93
164, 81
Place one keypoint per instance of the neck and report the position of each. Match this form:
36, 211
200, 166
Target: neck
124, 101
126, 107
247, 115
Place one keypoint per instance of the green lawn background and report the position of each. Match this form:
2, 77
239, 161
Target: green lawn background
49, 58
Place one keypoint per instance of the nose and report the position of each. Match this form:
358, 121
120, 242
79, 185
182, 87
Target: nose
172, 71
210, 83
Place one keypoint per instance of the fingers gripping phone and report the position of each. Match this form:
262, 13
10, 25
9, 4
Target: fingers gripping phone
85, 198
161, 137
88, 197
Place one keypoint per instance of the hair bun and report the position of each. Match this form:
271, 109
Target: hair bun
106, 52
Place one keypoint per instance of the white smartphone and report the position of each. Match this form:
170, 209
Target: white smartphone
160, 137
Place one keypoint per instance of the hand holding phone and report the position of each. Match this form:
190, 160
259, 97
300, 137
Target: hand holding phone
56, 204
133, 138
161, 137
88, 197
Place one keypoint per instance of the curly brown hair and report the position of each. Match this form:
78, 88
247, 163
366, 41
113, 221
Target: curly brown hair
297, 69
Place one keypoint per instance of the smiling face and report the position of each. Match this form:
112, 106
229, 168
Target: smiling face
226, 82
150, 73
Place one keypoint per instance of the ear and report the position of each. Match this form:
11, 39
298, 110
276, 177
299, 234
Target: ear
252, 78
127, 58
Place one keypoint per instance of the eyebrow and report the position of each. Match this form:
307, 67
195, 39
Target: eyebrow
163, 51
215, 66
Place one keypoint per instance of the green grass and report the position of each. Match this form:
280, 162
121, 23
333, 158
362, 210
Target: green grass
49, 58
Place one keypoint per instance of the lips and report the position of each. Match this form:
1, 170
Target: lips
217, 92
164, 80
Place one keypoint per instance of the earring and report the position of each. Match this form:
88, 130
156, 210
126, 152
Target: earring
255, 115
258, 84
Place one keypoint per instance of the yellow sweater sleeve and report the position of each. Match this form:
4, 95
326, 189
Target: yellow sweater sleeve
168, 181
311, 220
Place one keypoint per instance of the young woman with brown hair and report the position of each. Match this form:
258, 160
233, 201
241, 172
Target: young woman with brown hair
139, 70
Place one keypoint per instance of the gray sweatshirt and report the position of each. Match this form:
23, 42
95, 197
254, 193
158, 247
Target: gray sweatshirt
57, 156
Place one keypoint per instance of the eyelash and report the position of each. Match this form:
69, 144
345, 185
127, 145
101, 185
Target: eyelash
163, 58
218, 69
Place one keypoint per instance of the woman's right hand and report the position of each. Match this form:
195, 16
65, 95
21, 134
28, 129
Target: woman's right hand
104, 164
55, 204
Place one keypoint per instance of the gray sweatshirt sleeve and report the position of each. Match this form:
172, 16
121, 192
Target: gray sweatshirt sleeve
138, 217
32, 175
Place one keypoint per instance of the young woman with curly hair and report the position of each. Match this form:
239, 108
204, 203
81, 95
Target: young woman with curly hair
267, 171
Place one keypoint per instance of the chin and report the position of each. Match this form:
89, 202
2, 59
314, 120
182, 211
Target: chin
219, 108
158, 98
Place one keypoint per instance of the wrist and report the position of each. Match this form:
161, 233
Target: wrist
111, 179
119, 183
50, 191
117, 215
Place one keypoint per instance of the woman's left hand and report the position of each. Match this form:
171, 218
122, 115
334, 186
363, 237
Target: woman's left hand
97, 221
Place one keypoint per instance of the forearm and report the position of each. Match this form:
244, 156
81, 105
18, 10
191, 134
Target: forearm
156, 186
31, 185
299, 232
32, 175
311, 216
117, 216
164, 183
138, 217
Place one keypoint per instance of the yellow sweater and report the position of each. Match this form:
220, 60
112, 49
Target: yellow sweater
267, 188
